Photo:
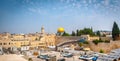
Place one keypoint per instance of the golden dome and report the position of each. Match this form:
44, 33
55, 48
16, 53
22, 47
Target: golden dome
60, 29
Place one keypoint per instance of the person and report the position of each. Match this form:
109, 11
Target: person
94, 59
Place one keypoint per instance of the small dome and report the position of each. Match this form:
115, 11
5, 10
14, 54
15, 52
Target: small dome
60, 29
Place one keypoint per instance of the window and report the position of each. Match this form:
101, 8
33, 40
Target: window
9, 43
0, 43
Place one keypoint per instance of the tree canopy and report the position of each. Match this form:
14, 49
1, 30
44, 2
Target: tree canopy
85, 31
73, 33
65, 34
98, 33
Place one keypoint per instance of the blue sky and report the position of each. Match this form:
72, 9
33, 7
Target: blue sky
27, 16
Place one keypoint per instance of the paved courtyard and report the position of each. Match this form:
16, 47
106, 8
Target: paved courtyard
11, 57
14, 57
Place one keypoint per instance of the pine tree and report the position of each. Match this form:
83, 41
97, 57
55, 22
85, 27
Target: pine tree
115, 31
73, 33
77, 32
98, 33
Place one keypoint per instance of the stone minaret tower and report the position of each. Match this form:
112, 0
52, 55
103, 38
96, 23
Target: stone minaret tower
42, 31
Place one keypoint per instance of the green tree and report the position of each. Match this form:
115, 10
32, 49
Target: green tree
115, 31
95, 42
98, 33
73, 33
65, 34
86, 31
77, 32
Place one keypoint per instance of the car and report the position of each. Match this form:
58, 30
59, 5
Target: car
85, 57
43, 56
67, 54
61, 59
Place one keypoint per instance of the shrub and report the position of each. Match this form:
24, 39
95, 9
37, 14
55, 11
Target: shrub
30, 59
86, 42
80, 44
107, 41
96, 41
101, 51
100, 40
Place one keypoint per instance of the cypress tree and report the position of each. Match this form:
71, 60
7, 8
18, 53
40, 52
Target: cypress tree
115, 31
73, 33
77, 32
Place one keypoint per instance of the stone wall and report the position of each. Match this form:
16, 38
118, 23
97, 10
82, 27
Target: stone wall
106, 38
107, 47
93, 38
60, 39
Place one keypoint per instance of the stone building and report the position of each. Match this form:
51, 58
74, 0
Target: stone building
40, 40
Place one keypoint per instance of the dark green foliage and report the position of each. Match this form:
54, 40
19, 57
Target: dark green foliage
107, 41
85, 31
80, 44
100, 41
73, 33
115, 31
85, 42
101, 51
65, 34
95, 41
77, 32
30, 59
98, 33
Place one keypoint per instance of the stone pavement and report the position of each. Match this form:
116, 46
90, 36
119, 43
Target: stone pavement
11, 57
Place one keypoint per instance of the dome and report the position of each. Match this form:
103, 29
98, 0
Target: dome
61, 29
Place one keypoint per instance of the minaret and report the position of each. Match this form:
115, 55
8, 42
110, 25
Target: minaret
42, 31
